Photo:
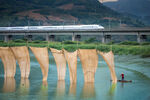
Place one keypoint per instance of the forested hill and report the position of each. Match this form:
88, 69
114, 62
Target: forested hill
58, 12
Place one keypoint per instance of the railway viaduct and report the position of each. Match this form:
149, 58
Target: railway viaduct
106, 34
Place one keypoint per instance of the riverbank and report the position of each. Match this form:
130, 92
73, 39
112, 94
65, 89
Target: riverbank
119, 49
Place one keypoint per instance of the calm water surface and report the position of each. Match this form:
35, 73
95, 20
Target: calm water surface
135, 68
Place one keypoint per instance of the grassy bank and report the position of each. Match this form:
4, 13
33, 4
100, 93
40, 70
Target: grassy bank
120, 49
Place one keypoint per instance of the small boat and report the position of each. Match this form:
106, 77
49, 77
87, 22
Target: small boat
124, 81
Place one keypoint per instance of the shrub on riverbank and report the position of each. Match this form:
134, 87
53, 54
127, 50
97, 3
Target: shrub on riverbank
145, 43
129, 43
70, 42
145, 54
19, 41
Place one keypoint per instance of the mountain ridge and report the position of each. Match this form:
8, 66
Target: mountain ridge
51, 12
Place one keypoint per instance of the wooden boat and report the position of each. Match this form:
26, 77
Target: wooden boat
124, 81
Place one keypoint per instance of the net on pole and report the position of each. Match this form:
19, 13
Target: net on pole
109, 59
71, 58
42, 57
89, 60
22, 56
60, 63
9, 61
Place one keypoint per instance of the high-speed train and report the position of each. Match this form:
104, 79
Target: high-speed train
64, 27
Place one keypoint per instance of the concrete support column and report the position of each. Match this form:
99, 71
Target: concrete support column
77, 37
107, 38
7, 38
103, 38
138, 38
143, 38
52, 37
28, 37
73, 37
47, 37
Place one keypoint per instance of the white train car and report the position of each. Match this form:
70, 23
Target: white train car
64, 27
70, 27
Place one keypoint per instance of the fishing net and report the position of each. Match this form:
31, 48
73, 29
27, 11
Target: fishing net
23, 58
42, 57
89, 60
8, 60
71, 58
109, 59
60, 63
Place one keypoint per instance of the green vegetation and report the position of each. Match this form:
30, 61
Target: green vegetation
69, 42
129, 43
120, 49
90, 40
82, 12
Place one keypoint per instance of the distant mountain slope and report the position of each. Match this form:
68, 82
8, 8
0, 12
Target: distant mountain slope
54, 12
136, 7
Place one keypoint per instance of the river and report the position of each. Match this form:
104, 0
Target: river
135, 69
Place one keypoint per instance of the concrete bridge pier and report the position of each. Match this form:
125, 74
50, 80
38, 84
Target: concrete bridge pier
28, 38
106, 38
138, 38
51, 37
73, 37
7, 38
47, 37
77, 37
103, 38
141, 38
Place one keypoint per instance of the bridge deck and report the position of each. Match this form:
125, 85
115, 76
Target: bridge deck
134, 31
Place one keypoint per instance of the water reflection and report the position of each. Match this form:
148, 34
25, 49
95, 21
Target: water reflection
43, 93
44, 88
112, 90
60, 91
23, 90
45, 84
122, 85
9, 85
88, 91
24, 86
72, 89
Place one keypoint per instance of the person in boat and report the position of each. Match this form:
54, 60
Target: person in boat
122, 76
